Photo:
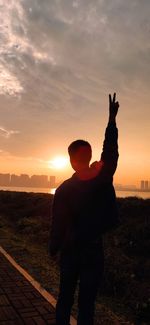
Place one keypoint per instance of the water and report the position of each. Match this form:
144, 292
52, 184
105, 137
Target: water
144, 195
27, 189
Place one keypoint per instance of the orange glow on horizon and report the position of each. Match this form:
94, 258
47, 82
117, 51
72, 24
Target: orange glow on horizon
59, 162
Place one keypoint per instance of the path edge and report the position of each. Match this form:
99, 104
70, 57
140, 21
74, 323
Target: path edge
33, 282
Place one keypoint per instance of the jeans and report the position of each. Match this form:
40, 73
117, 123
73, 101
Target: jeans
86, 265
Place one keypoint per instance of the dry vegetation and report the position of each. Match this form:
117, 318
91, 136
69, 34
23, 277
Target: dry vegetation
24, 233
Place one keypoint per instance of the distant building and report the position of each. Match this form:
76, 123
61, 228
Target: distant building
24, 180
130, 187
39, 181
146, 185
14, 180
4, 179
118, 186
142, 185
52, 181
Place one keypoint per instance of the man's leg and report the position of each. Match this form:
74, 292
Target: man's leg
90, 280
68, 282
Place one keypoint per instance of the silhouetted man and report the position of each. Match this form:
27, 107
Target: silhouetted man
84, 208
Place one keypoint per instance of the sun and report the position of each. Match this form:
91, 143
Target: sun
59, 162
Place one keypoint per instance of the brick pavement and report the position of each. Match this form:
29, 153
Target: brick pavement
20, 302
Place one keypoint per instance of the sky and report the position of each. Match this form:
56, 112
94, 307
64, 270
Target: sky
59, 60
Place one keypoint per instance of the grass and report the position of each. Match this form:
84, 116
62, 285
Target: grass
25, 220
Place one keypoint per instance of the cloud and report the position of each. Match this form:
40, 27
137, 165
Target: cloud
16, 48
9, 84
7, 133
59, 59
49, 44
9, 156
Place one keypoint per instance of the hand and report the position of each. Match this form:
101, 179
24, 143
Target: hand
113, 108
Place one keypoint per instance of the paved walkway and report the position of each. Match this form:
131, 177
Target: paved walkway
22, 299
20, 302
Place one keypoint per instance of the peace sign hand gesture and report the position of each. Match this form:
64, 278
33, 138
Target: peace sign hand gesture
113, 108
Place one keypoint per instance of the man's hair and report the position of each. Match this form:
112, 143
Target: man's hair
75, 145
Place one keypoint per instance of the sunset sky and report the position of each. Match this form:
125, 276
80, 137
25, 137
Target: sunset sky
59, 60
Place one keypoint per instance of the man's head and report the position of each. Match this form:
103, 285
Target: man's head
80, 153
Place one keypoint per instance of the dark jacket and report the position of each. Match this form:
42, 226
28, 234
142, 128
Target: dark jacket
85, 209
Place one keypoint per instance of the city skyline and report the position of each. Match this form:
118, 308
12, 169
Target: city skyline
45, 181
59, 60
24, 180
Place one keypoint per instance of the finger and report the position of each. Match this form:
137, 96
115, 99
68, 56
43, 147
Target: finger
117, 104
114, 97
110, 100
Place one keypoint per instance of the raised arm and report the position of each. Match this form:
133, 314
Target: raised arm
109, 156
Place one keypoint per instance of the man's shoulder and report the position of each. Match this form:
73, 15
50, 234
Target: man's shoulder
64, 186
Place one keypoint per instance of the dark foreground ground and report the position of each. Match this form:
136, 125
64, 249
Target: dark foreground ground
124, 299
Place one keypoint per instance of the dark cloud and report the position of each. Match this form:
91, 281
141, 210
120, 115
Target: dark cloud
99, 38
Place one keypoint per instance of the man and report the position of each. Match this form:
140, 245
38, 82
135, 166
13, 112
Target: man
84, 208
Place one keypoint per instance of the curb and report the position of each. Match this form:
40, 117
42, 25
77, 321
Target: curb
33, 282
